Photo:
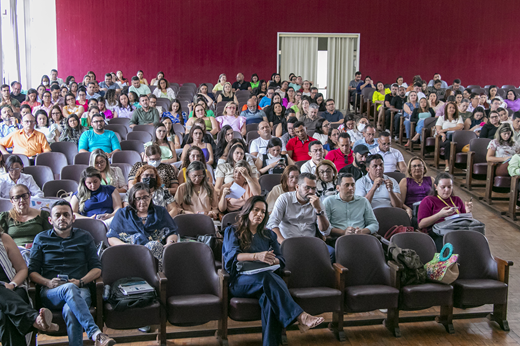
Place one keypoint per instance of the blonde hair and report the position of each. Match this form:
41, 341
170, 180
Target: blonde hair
416, 158
231, 93
230, 103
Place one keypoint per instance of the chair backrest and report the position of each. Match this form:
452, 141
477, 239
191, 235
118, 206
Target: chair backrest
299, 164
141, 136
421, 243
56, 161
389, 217
192, 225
95, 227
363, 256
120, 121
479, 146
51, 188
194, 261
146, 128
430, 122
73, 172
82, 159
472, 86
179, 129
508, 86
24, 158
398, 176
478, 90
118, 128
475, 259
126, 156
164, 103
70, 150
229, 219
268, 181
137, 146
308, 260
250, 136
5, 205
251, 127
41, 174
126, 261
367, 93
125, 167
462, 139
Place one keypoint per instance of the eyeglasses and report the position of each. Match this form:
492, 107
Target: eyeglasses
494, 117
23, 196
29, 121
98, 122
13, 169
326, 171
100, 163
144, 198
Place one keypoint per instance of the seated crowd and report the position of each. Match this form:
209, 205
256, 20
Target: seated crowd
333, 172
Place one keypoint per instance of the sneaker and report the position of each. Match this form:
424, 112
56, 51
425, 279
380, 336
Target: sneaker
145, 329
104, 340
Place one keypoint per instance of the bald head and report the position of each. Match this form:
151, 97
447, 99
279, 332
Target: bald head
251, 104
240, 77
28, 122
264, 130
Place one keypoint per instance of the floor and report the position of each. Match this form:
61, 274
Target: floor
504, 239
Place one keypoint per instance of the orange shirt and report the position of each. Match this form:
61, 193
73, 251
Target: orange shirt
29, 146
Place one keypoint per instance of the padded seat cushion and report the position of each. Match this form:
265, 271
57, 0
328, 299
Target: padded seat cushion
502, 181
370, 297
461, 158
317, 300
132, 318
195, 309
418, 297
244, 309
430, 142
480, 168
470, 293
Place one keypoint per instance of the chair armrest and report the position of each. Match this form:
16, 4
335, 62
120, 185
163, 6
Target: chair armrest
286, 275
99, 301
503, 269
470, 160
341, 276
395, 274
163, 283
224, 284
31, 289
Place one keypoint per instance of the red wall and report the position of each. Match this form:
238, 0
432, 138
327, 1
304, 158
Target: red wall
196, 40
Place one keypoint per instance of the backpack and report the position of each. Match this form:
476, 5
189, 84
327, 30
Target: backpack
397, 229
120, 302
413, 271
465, 222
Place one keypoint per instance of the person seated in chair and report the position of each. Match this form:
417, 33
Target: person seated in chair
243, 177
145, 115
99, 138
369, 133
393, 159
357, 168
274, 160
71, 252
300, 213
14, 176
26, 141
258, 146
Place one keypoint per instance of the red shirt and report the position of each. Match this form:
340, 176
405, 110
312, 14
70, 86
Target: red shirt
338, 158
300, 149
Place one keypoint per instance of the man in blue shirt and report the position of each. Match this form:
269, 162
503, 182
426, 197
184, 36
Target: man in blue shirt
7, 126
252, 114
266, 100
99, 138
368, 139
108, 83
70, 252
332, 115
91, 91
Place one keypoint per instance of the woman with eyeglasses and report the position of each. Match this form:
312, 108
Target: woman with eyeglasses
71, 107
143, 223
322, 130
326, 173
161, 196
46, 104
22, 222
14, 176
109, 175
490, 128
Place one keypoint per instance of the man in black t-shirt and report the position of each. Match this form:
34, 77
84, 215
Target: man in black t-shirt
396, 105
357, 168
241, 84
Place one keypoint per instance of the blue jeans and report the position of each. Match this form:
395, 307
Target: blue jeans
74, 303
407, 126
419, 127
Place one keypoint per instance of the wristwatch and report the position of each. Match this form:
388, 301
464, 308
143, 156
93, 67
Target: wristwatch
320, 213
81, 283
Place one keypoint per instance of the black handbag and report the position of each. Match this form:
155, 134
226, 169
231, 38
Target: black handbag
214, 243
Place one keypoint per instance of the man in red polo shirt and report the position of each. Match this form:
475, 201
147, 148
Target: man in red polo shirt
298, 147
343, 155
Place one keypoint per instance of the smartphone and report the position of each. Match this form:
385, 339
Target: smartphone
64, 278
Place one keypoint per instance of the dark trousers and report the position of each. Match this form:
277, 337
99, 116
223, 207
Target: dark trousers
16, 316
388, 115
279, 309
438, 240
447, 147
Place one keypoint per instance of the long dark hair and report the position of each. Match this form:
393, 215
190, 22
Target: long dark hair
186, 162
242, 228
155, 139
438, 178
197, 166
231, 152
221, 145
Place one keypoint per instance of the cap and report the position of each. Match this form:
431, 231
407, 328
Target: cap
361, 149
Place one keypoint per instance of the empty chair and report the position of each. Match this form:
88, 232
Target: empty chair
250, 136
120, 121
193, 225
82, 158
73, 172
120, 129
146, 128
132, 145
68, 148
483, 278
472, 86
41, 174
95, 227
198, 300
268, 181
426, 295
178, 128
476, 163
164, 103
141, 136
125, 168
315, 284
138, 262
5, 204
460, 139
56, 161
24, 158
251, 127
389, 217
126, 156
53, 187
369, 284
398, 176
508, 86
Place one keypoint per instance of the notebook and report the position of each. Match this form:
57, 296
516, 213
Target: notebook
135, 287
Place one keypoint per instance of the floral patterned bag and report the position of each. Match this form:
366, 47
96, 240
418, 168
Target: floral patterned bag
443, 269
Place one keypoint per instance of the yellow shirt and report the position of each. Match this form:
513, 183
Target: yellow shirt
29, 146
377, 96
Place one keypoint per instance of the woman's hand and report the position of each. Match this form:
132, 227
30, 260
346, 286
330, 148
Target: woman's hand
266, 257
9, 286
225, 191
213, 214
409, 212
446, 211
469, 206
244, 172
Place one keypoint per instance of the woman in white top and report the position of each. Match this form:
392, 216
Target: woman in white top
163, 90
502, 148
451, 121
224, 171
110, 175
125, 108
49, 130
14, 175
356, 132
273, 161
322, 131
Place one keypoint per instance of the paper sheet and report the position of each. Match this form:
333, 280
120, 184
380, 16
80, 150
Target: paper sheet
236, 191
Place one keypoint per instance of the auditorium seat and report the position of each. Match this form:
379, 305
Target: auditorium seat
476, 162
41, 174
459, 140
70, 150
268, 181
56, 188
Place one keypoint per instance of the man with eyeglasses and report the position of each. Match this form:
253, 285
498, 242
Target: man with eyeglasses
343, 155
332, 115
393, 159
317, 154
145, 115
297, 213
99, 138
369, 132
26, 141
71, 254
357, 168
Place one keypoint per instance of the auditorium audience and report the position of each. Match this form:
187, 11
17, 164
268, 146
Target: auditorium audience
419, 114
490, 128
44, 126
71, 107
160, 138
326, 174
94, 200
22, 222
289, 126
163, 89
358, 167
242, 176
99, 138
110, 175
287, 184
200, 101
258, 146
195, 139
160, 195
210, 122
220, 83
451, 121
393, 159
368, 139
7, 126
298, 146
225, 136
493, 94
416, 186
380, 190
474, 123
241, 84
194, 154
502, 148
273, 161
31, 99
277, 118
347, 212
14, 176
46, 104
64, 250
343, 155
227, 94
230, 117
138, 87
253, 114
25, 141
323, 128
145, 115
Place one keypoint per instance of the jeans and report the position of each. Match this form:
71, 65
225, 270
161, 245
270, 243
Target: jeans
407, 126
74, 303
419, 127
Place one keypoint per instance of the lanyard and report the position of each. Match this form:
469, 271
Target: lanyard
456, 210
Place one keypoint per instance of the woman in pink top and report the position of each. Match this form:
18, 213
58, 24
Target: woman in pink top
230, 117
31, 99
512, 101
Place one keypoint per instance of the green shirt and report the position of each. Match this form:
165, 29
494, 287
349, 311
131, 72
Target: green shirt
141, 117
24, 232
356, 213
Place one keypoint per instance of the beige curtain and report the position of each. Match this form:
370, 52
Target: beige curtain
299, 56
340, 69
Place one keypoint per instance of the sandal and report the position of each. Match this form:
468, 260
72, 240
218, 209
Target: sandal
306, 322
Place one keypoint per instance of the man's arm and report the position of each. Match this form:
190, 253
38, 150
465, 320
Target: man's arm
395, 199
6, 142
276, 217
134, 120
371, 222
